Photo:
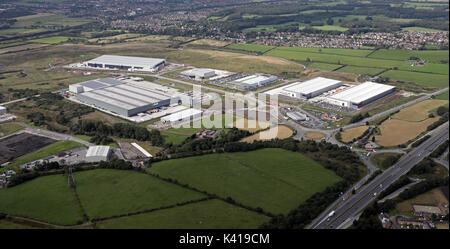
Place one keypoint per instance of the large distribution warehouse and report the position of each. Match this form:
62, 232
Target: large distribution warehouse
253, 81
360, 95
312, 88
124, 98
129, 63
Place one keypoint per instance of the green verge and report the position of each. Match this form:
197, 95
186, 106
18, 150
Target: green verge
422, 79
210, 214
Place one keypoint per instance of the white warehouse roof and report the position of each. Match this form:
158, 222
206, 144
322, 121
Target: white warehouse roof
252, 79
362, 92
98, 151
199, 72
127, 60
181, 115
313, 85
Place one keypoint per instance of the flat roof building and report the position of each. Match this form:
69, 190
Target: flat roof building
253, 81
199, 73
296, 116
360, 95
125, 98
98, 153
130, 63
3, 110
312, 88
182, 116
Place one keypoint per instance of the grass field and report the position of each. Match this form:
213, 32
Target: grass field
211, 214
250, 125
422, 79
420, 111
434, 56
331, 28
107, 192
9, 128
47, 198
352, 133
51, 40
5, 224
280, 131
360, 70
395, 131
209, 42
421, 29
250, 47
46, 151
274, 179
324, 66
314, 135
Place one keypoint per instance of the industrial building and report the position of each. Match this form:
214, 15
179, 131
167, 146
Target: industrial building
360, 95
311, 88
124, 98
98, 153
3, 110
253, 81
130, 63
180, 117
199, 74
297, 116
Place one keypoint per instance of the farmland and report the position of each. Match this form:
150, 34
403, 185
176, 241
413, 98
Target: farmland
419, 111
314, 135
274, 179
210, 214
250, 47
47, 198
105, 192
422, 79
280, 131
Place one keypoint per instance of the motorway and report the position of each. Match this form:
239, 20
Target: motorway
350, 209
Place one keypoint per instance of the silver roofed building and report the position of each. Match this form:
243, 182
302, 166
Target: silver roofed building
312, 88
130, 63
98, 153
253, 81
199, 73
360, 95
125, 98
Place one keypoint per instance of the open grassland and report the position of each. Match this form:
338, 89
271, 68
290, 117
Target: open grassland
9, 128
106, 192
47, 198
280, 131
420, 111
211, 214
395, 131
335, 51
250, 125
331, 28
352, 133
421, 29
51, 40
433, 197
323, 66
50, 21
46, 151
422, 79
250, 47
273, 179
314, 135
5, 224
434, 56
209, 42
360, 70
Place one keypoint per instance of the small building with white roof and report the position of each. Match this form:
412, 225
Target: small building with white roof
199, 74
182, 116
98, 153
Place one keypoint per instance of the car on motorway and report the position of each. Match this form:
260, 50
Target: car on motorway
375, 194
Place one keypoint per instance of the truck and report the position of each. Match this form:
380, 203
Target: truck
331, 214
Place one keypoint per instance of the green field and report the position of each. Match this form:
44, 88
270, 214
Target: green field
250, 47
51, 40
107, 192
422, 29
7, 128
422, 79
46, 151
360, 70
324, 66
4, 224
434, 56
273, 179
331, 28
335, 51
50, 21
211, 214
47, 198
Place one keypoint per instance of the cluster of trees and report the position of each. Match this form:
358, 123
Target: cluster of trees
359, 117
101, 139
426, 166
440, 150
390, 160
123, 130
37, 118
22, 93
420, 141
438, 123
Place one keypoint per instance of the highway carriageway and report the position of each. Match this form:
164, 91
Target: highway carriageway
348, 211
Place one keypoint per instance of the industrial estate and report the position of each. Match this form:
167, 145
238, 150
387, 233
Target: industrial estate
312, 121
